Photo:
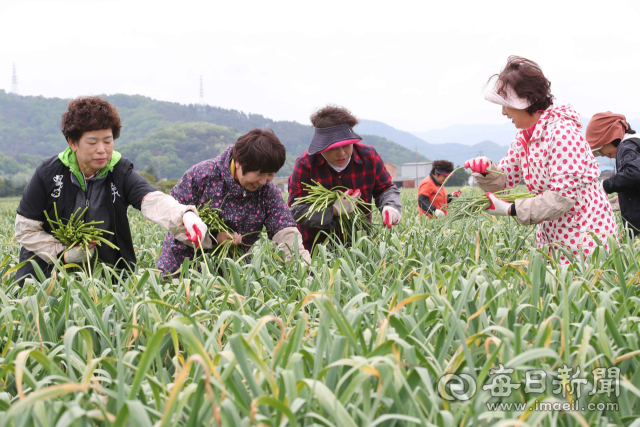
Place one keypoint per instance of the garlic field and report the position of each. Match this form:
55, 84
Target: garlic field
428, 324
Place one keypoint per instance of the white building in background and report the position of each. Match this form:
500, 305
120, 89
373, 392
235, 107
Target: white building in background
412, 174
411, 170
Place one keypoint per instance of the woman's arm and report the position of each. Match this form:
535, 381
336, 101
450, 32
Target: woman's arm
385, 192
165, 211
509, 165
136, 188
627, 178
28, 227
547, 206
30, 234
168, 210
285, 239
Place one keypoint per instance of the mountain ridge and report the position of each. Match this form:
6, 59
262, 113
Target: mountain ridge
31, 125
453, 151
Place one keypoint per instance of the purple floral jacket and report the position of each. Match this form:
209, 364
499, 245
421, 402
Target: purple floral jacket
244, 211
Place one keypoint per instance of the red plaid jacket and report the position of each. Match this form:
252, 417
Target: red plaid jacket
365, 171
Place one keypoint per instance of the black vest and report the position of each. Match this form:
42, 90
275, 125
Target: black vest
51, 183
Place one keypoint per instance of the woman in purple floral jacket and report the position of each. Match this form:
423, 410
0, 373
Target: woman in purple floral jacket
238, 182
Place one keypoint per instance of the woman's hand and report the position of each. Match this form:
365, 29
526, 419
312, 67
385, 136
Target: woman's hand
346, 205
478, 164
79, 254
194, 228
498, 206
222, 236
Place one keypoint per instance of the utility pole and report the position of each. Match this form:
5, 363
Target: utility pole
14, 81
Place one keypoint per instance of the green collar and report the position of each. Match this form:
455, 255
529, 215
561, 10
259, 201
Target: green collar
68, 158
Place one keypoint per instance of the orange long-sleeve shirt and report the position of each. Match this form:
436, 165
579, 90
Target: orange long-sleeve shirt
428, 189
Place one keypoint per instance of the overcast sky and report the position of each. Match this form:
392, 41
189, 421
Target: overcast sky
415, 65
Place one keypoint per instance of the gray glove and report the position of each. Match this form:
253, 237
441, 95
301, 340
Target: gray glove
346, 205
78, 254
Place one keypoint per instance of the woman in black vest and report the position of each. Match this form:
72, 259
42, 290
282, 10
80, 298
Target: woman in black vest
610, 135
90, 174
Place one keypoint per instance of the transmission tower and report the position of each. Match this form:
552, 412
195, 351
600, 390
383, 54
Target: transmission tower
14, 80
202, 111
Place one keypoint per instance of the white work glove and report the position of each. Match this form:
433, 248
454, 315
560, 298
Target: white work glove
346, 205
390, 216
498, 206
439, 214
614, 203
196, 230
78, 254
478, 164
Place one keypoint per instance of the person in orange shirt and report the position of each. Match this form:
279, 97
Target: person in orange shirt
432, 200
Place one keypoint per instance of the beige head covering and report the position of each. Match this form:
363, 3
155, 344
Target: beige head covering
510, 99
604, 128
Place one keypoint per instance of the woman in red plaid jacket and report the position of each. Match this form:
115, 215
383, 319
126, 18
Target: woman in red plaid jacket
336, 158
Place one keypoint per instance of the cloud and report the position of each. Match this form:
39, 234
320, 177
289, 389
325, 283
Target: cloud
416, 65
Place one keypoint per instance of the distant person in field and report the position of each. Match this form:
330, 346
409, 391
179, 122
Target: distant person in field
337, 158
238, 182
611, 136
555, 161
91, 174
432, 196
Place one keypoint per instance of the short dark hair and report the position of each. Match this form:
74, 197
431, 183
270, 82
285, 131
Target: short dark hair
443, 165
332, 115
525, 77
85, 114
259, 150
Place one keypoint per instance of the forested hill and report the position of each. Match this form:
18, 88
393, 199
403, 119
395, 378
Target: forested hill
31, 125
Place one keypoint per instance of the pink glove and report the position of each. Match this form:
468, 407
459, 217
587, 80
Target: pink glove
478, 164
456, 193
390, 216
194, 228
498, 206
354, 193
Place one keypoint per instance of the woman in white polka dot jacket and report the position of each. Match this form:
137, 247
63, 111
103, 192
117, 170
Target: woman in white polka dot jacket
555, 161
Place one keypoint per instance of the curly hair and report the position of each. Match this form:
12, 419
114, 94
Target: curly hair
332, 115
86, 114
259, 150
525, 77
443, 165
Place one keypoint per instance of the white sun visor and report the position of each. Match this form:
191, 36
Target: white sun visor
490, 93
